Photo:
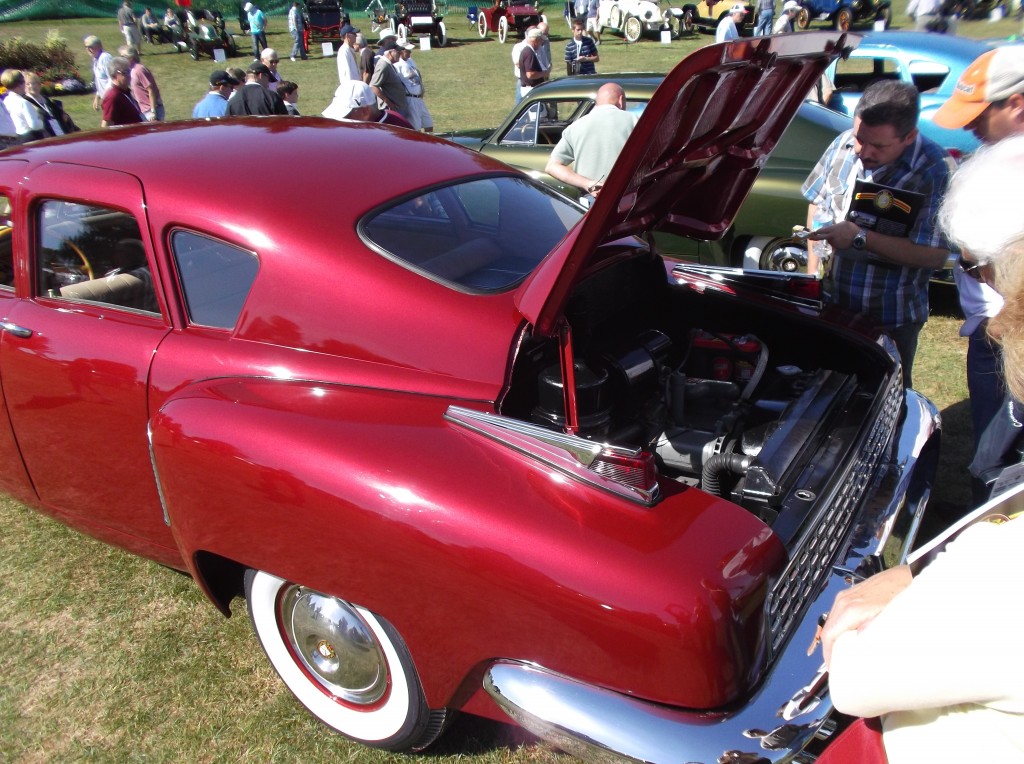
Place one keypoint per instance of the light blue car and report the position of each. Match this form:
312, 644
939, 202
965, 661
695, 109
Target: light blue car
931, 62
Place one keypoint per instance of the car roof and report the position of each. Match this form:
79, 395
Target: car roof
239, 170
940, 46
580, 84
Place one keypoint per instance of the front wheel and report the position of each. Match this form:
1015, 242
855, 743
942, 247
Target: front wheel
844, 19
502, 29
632, 29
686, 24
403, 32
803, 19
441, 35
347, 666
481, 24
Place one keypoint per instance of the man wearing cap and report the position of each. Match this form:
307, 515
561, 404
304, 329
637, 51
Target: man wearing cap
881, 275
765, 14
988, 101
784, 24
727, 29
592, 143
348, 56
257, 28
215, 103
531, 70
355, 100
386, 82
255, 97
419, 114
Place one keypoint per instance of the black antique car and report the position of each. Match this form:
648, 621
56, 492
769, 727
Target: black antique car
324, 19
419, 17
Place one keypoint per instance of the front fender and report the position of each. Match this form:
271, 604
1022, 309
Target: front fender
473, 551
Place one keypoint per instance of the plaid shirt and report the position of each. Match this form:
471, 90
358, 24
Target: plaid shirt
893, 295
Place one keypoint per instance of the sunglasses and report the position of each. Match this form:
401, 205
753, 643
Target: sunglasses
969, 268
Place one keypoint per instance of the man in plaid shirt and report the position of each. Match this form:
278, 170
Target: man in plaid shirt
885, 277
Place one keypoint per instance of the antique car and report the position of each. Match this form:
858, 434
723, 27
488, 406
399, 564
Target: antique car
932, 63
460, 445
419, 17
765, 221
504, 16
631, 18
205, 32
323, 22
843, 14
690, 18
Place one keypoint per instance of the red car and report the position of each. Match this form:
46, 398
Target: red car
460, 445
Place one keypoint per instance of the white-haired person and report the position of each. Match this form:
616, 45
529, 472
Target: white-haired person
932, 656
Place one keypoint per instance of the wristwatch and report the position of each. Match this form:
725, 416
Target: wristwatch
860, 239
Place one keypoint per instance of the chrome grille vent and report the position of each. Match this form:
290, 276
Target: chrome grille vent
815, 551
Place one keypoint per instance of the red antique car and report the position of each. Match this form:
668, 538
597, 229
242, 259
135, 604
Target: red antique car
460, 445
503, 16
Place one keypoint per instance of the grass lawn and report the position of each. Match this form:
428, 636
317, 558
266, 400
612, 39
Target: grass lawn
106, 657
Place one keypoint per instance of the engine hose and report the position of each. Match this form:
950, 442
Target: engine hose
717, 464
762, 364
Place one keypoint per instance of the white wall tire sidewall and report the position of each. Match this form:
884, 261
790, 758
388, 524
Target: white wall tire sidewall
372, 726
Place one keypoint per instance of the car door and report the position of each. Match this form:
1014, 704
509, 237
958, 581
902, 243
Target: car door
77, 347
13, 478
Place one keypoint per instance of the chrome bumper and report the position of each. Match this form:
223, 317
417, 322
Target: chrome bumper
790, 705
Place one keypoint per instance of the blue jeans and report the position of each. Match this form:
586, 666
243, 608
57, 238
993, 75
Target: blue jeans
298, 48
905, 337
259, 42
764, 23
985, 384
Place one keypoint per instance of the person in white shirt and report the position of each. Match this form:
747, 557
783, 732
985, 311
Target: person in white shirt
348, 57
925, 13
28, 121
517, 51
784, 23
100, 75
727, 29
419, 114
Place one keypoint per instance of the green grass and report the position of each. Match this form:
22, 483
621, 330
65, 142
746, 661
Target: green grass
106, 657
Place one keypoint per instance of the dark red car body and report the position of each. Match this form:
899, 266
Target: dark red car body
370, 428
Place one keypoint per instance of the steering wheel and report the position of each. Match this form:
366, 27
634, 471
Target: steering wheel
86, 265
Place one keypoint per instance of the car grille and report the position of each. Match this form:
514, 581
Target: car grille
815, 551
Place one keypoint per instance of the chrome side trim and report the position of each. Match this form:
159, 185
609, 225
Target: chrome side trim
569, 454
790, 706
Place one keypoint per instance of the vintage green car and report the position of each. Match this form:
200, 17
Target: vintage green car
526, 137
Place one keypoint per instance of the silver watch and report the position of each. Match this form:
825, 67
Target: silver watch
860, 239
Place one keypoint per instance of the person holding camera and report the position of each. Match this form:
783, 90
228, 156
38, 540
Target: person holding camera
580, 52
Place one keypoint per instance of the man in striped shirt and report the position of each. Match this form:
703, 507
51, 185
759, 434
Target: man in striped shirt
880, 275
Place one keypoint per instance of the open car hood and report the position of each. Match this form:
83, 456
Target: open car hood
693, 155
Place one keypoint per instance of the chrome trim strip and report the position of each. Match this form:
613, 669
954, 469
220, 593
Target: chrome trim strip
569, 454
789, 707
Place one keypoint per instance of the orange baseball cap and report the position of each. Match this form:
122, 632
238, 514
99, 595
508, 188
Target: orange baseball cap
993, 76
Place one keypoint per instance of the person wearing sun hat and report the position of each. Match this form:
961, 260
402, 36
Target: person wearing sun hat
784, 24
727, 29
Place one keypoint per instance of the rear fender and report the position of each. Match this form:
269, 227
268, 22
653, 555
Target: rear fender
472, 550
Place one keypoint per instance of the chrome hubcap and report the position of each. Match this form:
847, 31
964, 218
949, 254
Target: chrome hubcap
335, 644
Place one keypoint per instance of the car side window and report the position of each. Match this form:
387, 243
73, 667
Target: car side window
857, 72
543, 122
928, 75
93, 254
6, 244
215, 278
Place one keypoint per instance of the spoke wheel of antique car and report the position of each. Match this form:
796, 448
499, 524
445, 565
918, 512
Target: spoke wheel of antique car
803, 19
347, 666
615, 17
502, 30
844, 19
481, 24
633, 29
686, 25
440, 35
402, 32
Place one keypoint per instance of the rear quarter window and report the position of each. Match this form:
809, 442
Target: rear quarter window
215, 278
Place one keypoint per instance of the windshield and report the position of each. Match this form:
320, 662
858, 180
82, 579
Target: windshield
482, 235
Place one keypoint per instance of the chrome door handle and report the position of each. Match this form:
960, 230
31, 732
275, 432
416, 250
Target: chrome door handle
17, 331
